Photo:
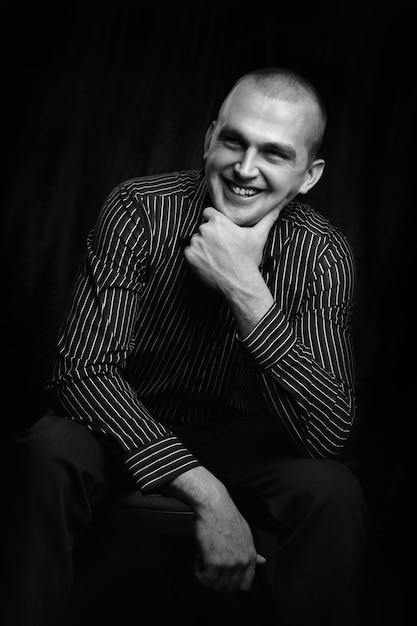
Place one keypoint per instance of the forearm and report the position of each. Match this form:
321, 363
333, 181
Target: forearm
227, 258
227, 555
249, 301
316, 405
312, 396
151, 453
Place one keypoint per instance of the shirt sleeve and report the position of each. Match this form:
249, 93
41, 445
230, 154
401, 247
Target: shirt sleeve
95, 340
305, 364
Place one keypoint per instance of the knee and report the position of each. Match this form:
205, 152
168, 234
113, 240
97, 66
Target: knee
51, 446
334, 487
332, 480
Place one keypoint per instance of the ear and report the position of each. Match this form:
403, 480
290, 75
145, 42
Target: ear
207, 140
313, 175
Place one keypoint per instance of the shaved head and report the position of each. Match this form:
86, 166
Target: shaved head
288, 86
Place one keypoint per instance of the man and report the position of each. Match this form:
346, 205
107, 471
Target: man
208, 349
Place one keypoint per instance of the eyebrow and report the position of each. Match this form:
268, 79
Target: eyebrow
287, 151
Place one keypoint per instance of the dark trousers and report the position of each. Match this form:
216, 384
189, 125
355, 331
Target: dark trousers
315, 508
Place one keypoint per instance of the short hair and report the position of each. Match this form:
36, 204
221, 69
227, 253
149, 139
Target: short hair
285, 84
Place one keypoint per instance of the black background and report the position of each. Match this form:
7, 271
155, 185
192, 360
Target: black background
96, 92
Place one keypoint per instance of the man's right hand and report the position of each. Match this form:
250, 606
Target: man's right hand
227, 556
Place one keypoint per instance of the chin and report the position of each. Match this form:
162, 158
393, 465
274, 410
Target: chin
239, 217
238, 214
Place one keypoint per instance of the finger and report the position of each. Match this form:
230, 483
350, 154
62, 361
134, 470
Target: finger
242, 579
225, 580
207, 577
208, 212
247, 578
228, 581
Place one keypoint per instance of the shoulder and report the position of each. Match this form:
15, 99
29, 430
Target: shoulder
321, 240
302, 217
182, 183
135, 199
149, 210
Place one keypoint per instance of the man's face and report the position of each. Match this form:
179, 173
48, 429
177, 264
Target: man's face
256, 155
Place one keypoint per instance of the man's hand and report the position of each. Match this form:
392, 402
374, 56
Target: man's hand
225, 255
227, 555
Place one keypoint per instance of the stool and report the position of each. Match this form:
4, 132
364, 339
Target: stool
139, 551
137, 561
153, 513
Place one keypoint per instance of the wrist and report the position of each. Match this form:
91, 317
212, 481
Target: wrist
198, 488
250, 305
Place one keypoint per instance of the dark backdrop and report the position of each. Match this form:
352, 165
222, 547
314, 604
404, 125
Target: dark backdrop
96, 92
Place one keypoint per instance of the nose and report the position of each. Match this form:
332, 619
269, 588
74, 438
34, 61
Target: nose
246, 166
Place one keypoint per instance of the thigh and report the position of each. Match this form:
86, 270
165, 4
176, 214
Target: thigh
272, 484
56, 450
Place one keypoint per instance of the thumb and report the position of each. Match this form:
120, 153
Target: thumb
265, 224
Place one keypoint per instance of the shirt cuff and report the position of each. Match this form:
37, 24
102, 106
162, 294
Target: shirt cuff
270, 340
159, 462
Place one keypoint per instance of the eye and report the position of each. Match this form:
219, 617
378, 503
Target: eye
232, 141
229, 140
274, 155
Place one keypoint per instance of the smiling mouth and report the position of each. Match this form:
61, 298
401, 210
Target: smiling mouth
244, 192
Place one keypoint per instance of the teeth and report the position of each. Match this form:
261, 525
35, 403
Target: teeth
241, 191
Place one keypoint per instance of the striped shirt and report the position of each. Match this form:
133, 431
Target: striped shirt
145, 346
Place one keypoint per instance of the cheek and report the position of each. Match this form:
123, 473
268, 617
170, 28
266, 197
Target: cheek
218, 158
284, 185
